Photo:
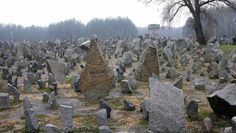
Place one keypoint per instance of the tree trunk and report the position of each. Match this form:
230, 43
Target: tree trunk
198, 30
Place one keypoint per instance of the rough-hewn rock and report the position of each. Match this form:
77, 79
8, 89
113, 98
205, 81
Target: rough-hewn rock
223, 102
96, 79
149, 65
167, 112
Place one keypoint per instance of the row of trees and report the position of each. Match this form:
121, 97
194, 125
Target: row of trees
197, 9
219, 22
104, 28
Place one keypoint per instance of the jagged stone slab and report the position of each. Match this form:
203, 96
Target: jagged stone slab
96, 79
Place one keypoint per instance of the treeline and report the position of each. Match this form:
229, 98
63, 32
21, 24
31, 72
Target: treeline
71, 29
216, 22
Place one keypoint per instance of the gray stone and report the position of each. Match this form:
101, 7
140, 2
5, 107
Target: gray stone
51, 129
58, 69
26, 104
12, 90
223, 102
27, 85
145, 108
188, 77
179, 83
129, 105
125, 87
52, 99
45, 97
31, 77
199, 83
207, 125
223, 75
51, 78
101, 117
66, 118
213, 74
127, 59
228, 130
104, 105
167, 112
4, 100
171, 74
132, 82
31, 122
41, 84
119, 49
104, 129
192, 110
233, 120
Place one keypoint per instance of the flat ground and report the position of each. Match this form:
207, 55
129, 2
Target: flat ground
12, 119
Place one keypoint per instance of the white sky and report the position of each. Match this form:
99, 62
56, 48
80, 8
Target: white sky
44, 12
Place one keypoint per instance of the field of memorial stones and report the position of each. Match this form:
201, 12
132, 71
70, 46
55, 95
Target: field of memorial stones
139, 85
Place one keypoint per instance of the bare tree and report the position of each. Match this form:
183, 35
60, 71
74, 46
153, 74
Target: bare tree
197, 8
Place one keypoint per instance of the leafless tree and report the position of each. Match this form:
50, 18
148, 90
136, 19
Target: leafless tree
197, 8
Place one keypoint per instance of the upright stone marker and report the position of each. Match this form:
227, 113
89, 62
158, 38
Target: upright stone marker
66, 118
166, 108
96, 79
148, 66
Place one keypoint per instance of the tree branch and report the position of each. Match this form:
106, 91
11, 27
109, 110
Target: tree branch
176, 12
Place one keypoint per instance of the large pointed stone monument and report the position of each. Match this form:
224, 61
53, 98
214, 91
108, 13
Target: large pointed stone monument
149, 65
96, 79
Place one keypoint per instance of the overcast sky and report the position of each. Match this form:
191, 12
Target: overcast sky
44, 12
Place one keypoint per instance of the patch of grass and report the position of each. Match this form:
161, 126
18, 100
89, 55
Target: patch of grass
143, 123
203, 114
226, 48
68, 80
115, 103
87, 124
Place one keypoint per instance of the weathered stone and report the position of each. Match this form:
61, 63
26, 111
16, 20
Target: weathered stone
207, 125
171, 74
104, 129
132, 82
101, 117
52, 99
4, 100
145, 108
104, 105
149, 65
192, 110
127, 59
53, 87
58, 69
41, 84
233, 120
166, 108
66, 118
213, 74
119, 49
51, 78
51, 129
223, 102
12, 90
31, 77
45, 97
27, 85
179, 83
188, 77
200, 83
129, 105
31, 122
223, 75
228, 130
125, 87
97, 78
